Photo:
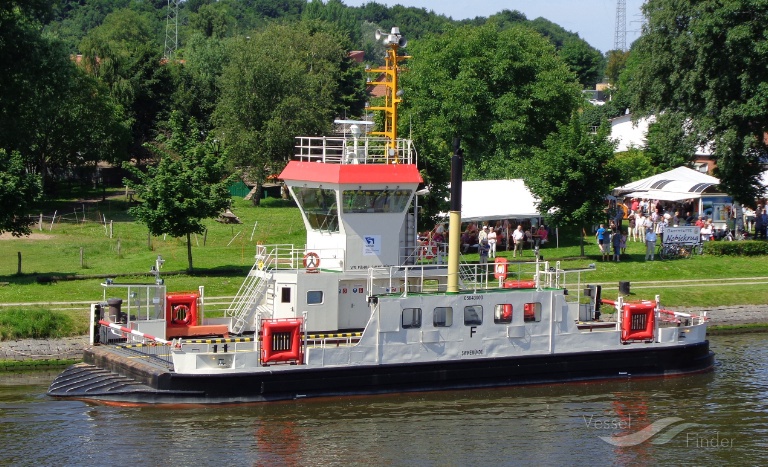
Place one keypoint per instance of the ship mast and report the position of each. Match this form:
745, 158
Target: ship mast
394, 41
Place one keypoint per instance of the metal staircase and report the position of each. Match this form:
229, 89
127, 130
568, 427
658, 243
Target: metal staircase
246, 303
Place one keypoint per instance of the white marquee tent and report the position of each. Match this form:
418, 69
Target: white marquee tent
497, 199
673, 185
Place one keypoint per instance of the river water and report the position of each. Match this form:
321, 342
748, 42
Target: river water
715, 418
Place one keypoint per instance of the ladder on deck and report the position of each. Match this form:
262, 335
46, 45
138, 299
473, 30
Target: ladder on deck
246, 303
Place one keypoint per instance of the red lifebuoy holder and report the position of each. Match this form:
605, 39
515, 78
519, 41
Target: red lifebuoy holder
281, 341
637, 321
516, 284
181, 309
500, 268
311, 261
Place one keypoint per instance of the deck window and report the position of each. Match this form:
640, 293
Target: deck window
411, 318
473, 315
314, 297
532, 312
443, 317
502, 313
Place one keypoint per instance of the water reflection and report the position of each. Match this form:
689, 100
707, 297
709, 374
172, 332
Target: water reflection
511, 426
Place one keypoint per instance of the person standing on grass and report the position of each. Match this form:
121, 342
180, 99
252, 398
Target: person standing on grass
492, 243
518, 236
650, 244
616, 242
600, 236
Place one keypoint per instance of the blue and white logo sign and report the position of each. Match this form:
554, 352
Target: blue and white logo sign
372, 245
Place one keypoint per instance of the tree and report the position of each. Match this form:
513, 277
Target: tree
51, 113
181, 190
282, 82
18, 190
707, 60
571, 174
501, 91
123, 54
584, 60
669, 142
617, 62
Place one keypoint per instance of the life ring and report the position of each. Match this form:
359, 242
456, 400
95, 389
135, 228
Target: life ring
181, 315
311, 261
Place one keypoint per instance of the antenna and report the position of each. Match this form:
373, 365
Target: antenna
172, 29
620, 36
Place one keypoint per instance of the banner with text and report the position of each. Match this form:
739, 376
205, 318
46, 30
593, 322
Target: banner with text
687, 234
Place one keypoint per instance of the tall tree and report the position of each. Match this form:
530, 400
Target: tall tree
706, 60
282, 82
184, 188
50, 111
18, 190
124, 54
572, 173
501, 91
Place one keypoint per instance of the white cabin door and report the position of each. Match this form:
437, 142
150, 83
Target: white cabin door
353, 308
285, 300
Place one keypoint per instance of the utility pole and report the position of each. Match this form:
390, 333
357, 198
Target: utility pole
172, 29
620, 36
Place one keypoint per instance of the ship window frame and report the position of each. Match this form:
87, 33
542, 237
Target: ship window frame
313, 301
442, 317
477, 320
536, 313
498, 313
415, 318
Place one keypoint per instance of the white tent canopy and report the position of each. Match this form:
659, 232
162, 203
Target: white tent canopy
673, 185
497, 199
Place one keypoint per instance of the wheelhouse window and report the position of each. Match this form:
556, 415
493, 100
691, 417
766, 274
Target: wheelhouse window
411, 318
319, 205
314, 297
361, 201
502, 313
532, 312
442, 317
473, 315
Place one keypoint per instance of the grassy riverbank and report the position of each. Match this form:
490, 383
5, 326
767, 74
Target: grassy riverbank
98, 239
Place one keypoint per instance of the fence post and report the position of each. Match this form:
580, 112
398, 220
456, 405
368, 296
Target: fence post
81, 257
18, 269
110, 229
41, 222
53, 219
118, 247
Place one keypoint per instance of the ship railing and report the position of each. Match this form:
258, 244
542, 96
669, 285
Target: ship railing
424, 253
348, 150
288, 256
569, 279
134, 341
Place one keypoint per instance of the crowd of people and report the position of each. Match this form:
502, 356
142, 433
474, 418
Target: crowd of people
647, 220
489, 238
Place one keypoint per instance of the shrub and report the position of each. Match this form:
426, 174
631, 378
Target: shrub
739, 248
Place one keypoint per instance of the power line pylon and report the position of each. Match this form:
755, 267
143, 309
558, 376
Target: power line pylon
172, 29
620, 36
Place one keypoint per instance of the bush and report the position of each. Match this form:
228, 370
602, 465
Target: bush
34, 324
739, 248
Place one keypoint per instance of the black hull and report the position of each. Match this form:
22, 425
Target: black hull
143, 384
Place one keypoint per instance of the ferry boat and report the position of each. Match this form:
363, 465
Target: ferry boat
364, 308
